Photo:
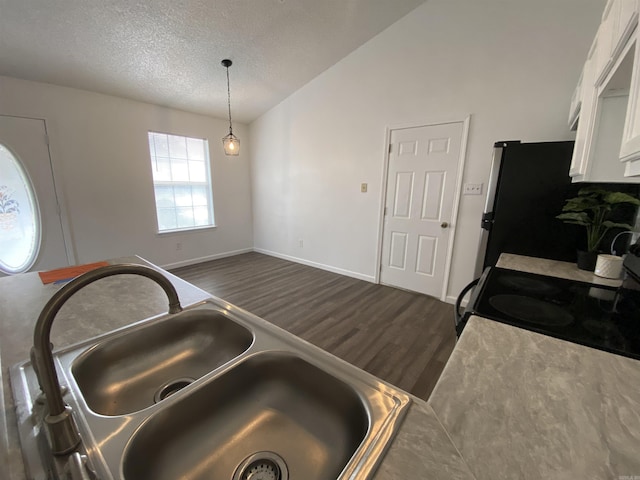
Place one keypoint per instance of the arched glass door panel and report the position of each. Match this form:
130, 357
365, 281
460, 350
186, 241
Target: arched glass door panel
20, 224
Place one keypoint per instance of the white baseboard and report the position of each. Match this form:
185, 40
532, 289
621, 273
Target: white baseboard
193, 261
321, 266
452, 300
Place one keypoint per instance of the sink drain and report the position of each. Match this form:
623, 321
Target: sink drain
172, 387
262, 466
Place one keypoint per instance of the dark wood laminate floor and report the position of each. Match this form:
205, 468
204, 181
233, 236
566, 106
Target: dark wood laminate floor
402, 337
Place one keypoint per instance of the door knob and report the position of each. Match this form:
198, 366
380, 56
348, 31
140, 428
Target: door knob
444, 224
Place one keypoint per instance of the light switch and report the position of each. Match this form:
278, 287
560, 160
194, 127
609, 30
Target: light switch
472, 189
363, 188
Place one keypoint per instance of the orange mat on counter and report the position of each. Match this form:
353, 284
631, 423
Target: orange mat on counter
67, 273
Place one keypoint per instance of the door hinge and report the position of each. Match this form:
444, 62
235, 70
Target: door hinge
46, 139
385, 211
390, 147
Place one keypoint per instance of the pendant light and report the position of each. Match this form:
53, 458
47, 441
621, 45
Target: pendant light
230, 143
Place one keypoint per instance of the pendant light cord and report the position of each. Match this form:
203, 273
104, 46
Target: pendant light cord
229, 103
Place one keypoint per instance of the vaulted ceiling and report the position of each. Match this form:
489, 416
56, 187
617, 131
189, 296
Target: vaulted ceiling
168, 52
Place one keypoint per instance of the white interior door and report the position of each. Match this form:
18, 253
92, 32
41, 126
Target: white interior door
421, 184
23, 141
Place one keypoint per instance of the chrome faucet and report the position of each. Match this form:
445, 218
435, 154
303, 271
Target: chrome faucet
63, 431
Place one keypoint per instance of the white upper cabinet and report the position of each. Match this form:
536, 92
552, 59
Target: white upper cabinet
619, 19
630, 148
605, 39
627, 21
576, 104
587, 99
606, 106
601, 120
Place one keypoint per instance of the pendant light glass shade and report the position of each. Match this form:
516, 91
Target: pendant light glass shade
230, 143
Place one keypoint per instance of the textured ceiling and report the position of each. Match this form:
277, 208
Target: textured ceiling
168, 52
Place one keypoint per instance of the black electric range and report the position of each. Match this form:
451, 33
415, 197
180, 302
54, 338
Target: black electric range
602, 317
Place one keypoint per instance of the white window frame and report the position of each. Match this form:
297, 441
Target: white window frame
154, 159
10, 209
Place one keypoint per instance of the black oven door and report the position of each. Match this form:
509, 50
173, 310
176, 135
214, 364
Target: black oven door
461, 316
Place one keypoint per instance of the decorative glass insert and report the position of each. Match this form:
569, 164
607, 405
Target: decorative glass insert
181, 182
19, 216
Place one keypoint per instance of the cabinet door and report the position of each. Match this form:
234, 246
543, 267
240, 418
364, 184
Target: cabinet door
576, 104
584, 134
626, 22
630, 148
605, 39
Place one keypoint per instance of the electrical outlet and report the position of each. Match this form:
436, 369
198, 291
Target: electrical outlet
363, 188
472, 189
300, 243
179, 246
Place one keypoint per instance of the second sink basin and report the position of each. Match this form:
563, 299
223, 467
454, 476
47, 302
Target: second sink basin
272, 416
128, 373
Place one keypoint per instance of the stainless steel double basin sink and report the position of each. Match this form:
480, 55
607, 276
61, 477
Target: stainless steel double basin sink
216, 393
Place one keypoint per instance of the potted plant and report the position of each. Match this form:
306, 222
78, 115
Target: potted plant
593, 208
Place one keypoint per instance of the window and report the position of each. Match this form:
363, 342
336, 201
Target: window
19, 216
181, 182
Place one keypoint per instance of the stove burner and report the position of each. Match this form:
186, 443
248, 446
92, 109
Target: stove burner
527, 284
531, 310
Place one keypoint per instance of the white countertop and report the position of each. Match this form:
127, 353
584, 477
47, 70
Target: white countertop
421, 445
98, 308
521, 405
518, 404
552, 268
510, 404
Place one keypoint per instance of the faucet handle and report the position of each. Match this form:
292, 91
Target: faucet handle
78, 468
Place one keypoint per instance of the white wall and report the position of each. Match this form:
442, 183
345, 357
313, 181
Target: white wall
101, 160
511, 64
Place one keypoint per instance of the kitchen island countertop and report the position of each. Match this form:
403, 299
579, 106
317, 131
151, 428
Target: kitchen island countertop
421, 449
98, 308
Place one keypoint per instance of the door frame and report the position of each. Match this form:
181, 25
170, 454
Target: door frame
456, 200
60, 201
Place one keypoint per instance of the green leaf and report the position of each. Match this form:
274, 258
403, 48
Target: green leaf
619, 197
609, 224
592, 190
579, 204
578, 218
591, 208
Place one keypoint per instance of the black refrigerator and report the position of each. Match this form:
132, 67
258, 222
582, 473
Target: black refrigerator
528, 185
